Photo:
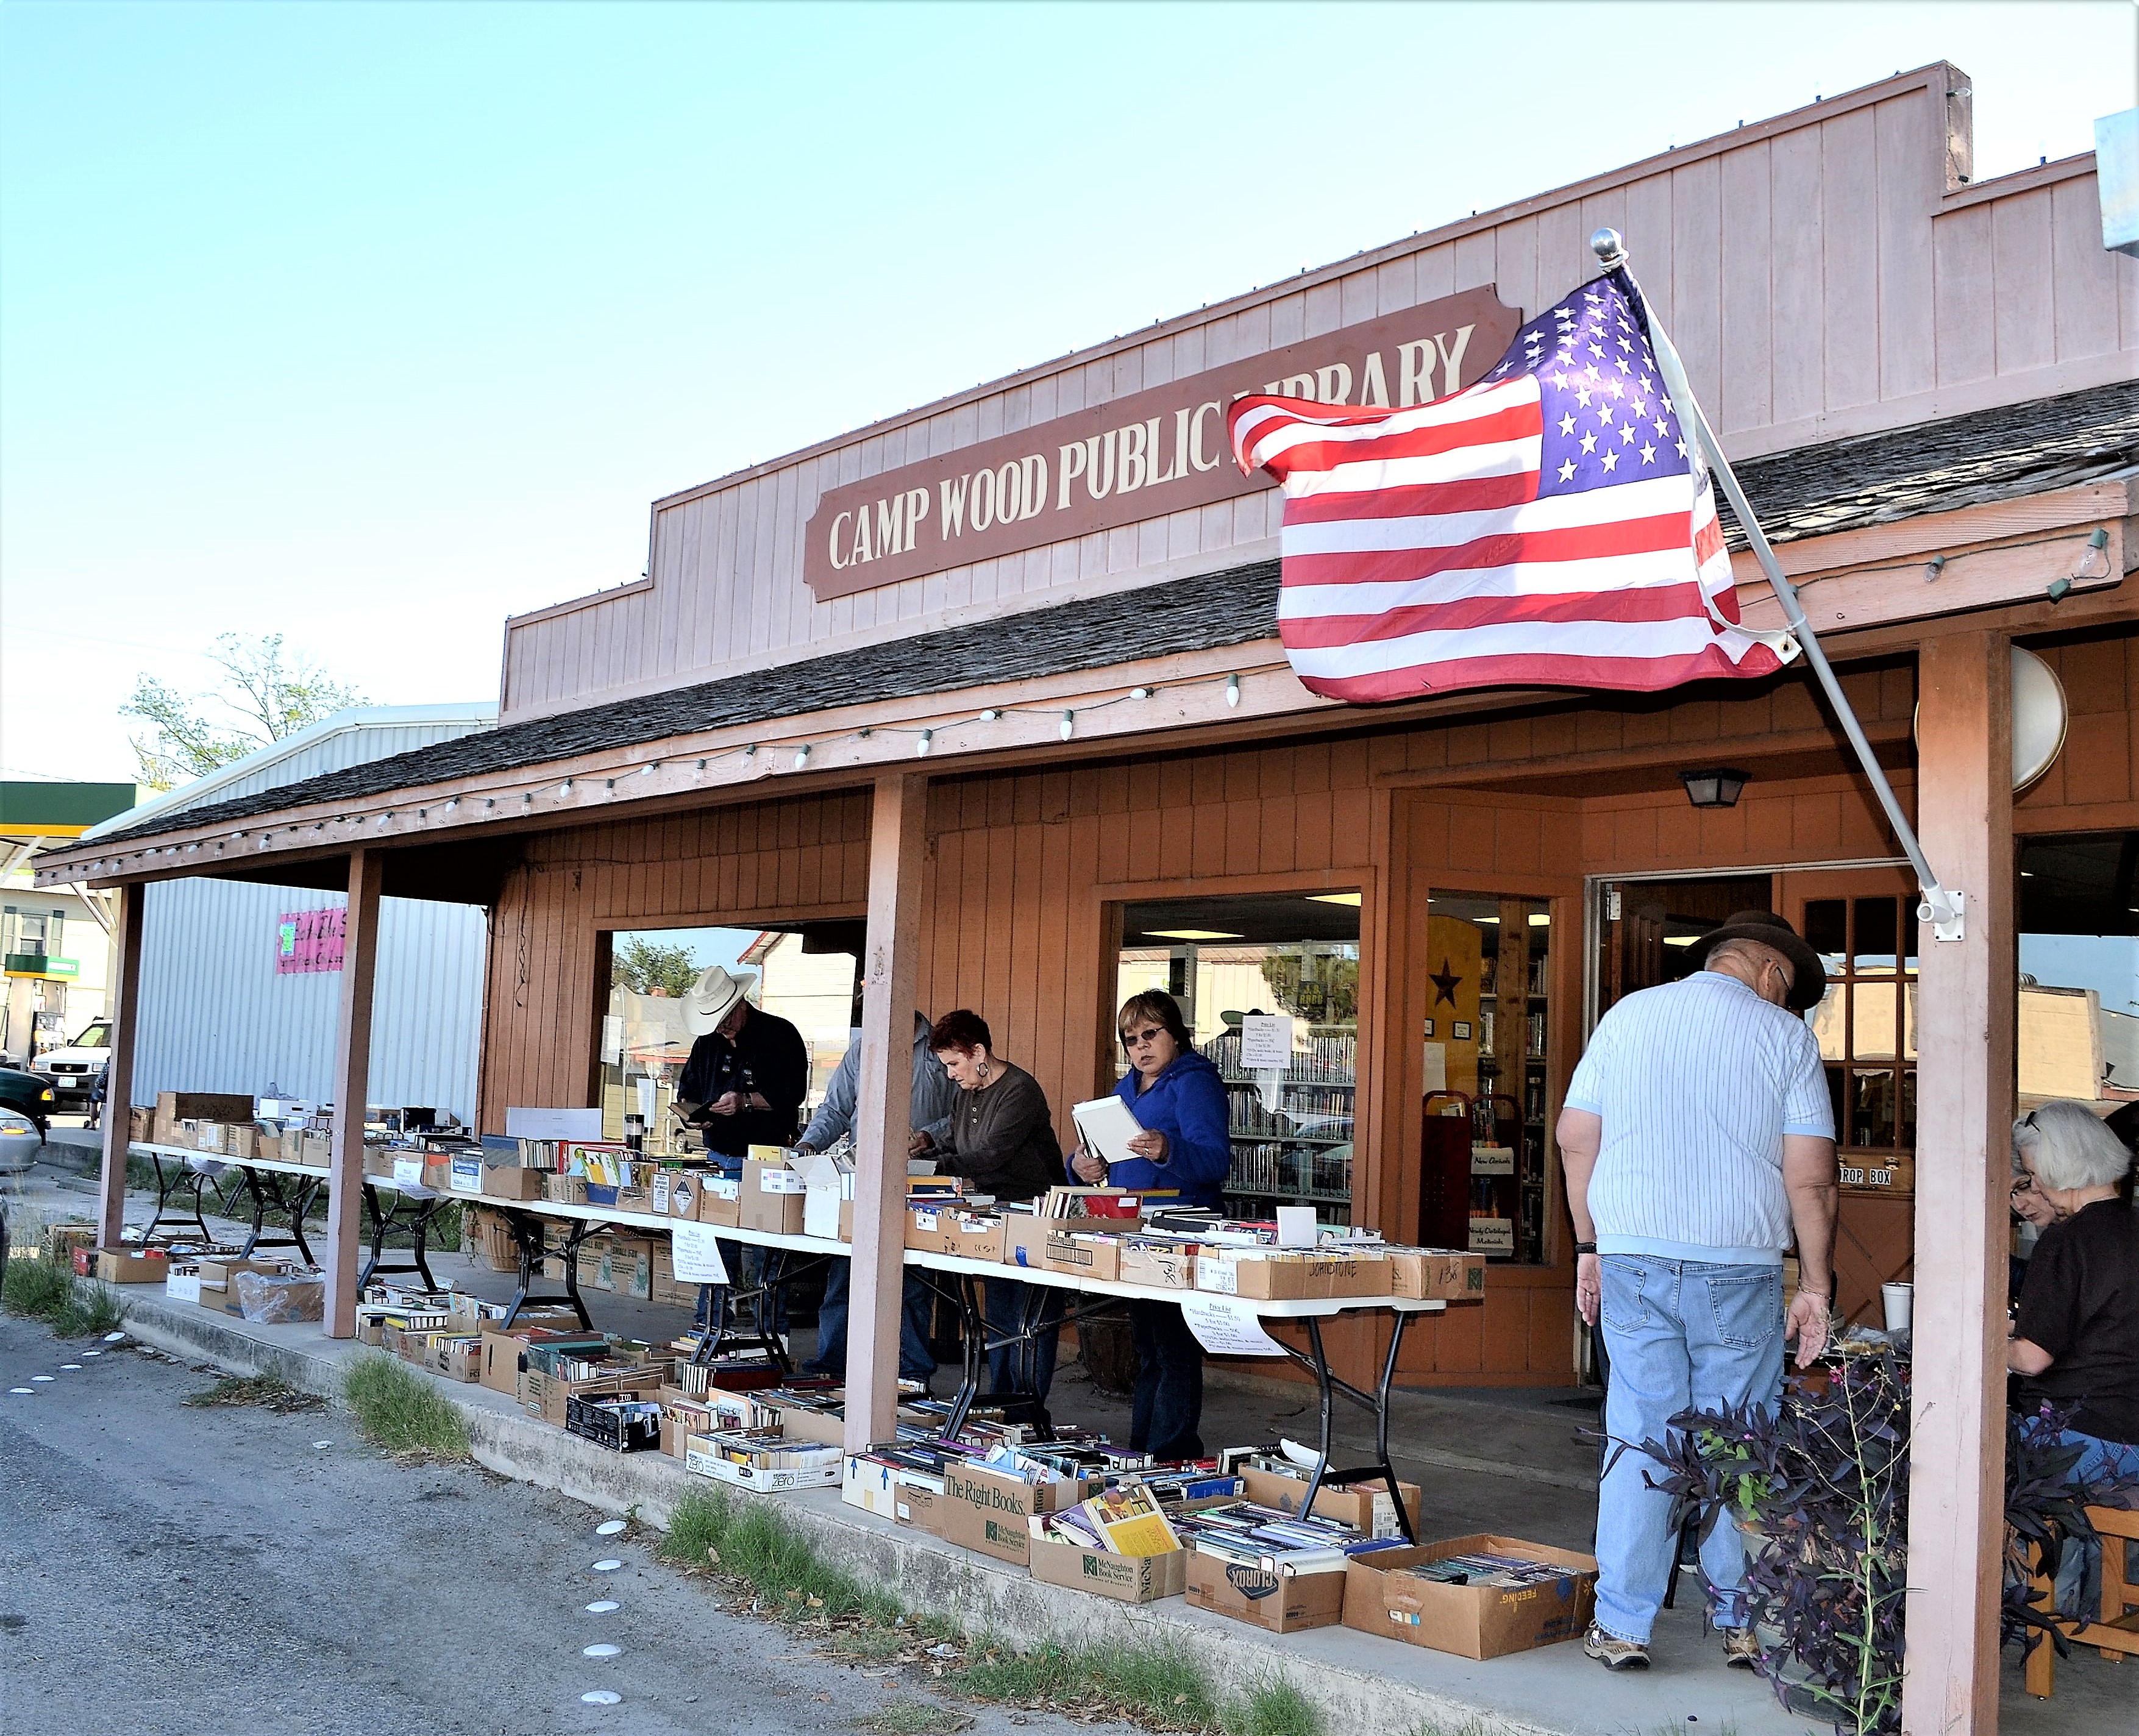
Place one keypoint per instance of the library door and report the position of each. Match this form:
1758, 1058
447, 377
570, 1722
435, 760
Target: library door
1861, 922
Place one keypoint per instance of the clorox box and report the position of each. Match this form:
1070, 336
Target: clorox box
1485, 1616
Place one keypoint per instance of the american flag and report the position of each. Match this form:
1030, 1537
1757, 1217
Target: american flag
1545, 526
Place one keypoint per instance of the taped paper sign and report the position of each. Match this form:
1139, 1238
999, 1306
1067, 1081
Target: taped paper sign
1265, 1041
1225, 1326
695, 1254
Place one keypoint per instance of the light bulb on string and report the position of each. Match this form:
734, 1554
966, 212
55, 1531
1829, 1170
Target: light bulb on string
1232, 690
802, 756
1068, 726
927, 740
991, 715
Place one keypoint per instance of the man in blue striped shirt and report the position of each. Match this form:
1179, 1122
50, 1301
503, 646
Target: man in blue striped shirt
1698, 1139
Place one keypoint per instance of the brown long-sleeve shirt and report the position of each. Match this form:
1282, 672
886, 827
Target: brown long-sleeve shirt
1001, 1137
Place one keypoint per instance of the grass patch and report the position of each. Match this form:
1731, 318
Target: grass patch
263, 1390
750, 1540
44, 1290
1273, 1709
913, 1717
1157, 1682
401, 1410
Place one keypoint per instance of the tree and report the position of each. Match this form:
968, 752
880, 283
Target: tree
645, 968
265, 695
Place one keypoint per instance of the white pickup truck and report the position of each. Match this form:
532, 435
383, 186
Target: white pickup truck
72, 1070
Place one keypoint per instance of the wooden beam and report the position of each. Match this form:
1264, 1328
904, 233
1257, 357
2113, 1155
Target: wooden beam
360, 959
118, 1088
1965, 1003
883, 1110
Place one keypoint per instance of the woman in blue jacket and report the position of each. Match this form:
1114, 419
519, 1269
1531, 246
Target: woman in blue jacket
1180, 1099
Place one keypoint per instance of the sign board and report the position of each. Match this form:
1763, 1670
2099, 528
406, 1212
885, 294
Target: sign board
1891, 1173
45, 965
309, 941
1265, 1041
1226, 1327
694, 1254
1134, 457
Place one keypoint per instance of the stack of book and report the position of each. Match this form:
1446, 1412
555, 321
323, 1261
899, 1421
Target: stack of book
1248, 1535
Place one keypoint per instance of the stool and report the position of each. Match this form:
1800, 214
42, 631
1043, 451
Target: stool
2116, 1636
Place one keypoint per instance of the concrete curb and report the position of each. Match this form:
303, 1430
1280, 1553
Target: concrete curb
923, 1572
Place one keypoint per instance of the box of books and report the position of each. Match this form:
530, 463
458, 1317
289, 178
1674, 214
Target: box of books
1479, 1597
1282, 1572
987, 1508
1126, 1579
1366, 1506
1437, 1275
761, 1459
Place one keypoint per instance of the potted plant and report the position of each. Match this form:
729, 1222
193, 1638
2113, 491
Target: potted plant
1821, 1489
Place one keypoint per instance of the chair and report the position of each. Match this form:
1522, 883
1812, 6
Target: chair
2115, 1634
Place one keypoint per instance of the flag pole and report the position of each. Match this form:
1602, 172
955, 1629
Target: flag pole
1942, 906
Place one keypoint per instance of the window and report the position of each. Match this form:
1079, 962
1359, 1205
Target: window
2078, 1030
1866, 1022
1292, 953
1486, 1040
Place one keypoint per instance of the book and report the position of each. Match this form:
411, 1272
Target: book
1105, 1125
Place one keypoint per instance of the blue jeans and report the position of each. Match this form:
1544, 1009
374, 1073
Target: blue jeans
1008, 1307
2078, 1588
1168, 1410
1680, 1334
915, 1363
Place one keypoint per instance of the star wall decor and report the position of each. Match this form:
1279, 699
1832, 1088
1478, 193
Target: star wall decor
1446, 982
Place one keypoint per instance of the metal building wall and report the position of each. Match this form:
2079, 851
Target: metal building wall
215, 1016
346, 747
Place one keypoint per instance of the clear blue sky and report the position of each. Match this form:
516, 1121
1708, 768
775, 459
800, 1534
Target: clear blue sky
372, 324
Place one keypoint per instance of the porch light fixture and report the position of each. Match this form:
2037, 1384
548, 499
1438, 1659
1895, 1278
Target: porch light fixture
1718, 787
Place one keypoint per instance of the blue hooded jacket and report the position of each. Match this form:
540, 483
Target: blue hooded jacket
1187, 1103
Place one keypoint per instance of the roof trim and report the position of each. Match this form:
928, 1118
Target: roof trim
338, 723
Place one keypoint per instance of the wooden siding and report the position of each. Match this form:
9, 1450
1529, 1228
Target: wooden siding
1819, 272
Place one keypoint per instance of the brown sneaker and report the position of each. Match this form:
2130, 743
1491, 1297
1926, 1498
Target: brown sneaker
1612, 1652
1741, 1648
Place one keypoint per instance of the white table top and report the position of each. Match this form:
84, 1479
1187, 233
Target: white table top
282, 1167
1320, 1308
654, 1220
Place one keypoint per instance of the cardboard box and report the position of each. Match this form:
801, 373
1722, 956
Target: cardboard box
987, 1510
870, 1485
1473, 1622
132, 1265
1437, 1275
173, 1106
701, 1455
509, 1182
545, 1396
1368, 1508
799, 1422
561, 1190
1126, 1579
1087, 1255
827, 1183
141, 1125
1161, 1267
974, 1235
1025, 1239
217, 1299
1278, 1603
773, 1198
457, 1359
720, 1201
184, 1284
918, 1508
241, 1140
316, 1150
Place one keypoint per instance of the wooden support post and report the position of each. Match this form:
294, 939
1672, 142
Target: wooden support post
359, 957
1966, 1014
883, 1107
118, 1089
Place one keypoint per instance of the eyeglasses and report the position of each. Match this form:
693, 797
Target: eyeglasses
1137, 1039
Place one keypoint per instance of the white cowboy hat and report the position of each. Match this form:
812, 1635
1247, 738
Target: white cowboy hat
712, 997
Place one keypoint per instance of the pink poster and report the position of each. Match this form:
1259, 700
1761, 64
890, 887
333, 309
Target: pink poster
309, 940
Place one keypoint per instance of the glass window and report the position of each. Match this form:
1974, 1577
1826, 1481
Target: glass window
1291, 952
804, 976
1868, 1015
2078, 1027
1489, 973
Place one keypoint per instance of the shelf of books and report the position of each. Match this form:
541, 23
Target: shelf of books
1298, 1152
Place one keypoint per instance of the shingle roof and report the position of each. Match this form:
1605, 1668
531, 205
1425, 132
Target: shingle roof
1964, 461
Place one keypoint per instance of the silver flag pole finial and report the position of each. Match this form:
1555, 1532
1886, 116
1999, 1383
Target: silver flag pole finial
1606, 245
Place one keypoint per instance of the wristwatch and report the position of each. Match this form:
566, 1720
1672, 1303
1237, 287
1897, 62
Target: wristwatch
1585, 1247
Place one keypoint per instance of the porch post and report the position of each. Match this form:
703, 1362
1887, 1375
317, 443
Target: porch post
359, 956
118, 1089
1965, 1014
884, 1108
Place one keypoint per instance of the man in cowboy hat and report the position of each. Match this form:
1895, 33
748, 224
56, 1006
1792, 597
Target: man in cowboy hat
748, 1072
1698, 1137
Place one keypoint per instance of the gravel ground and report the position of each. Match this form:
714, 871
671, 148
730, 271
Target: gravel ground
165, 1569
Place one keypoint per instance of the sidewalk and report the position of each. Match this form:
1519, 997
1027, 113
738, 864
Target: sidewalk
1507, 1462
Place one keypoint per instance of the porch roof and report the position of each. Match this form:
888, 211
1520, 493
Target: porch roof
1993, 455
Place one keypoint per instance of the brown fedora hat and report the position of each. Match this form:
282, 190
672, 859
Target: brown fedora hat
1807, 975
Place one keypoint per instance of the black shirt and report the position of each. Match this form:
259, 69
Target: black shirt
768, 1057
1002, 1138
2081, 1306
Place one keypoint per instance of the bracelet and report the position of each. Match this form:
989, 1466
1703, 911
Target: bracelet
1585, 1247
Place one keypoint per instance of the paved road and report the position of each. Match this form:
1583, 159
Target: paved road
168, 1572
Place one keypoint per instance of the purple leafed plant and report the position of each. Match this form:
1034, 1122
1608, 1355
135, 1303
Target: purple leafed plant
1821, 1488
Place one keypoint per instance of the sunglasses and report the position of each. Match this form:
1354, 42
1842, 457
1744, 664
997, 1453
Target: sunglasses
1137, 1039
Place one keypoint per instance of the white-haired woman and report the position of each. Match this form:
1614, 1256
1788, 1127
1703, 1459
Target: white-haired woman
2076, 1342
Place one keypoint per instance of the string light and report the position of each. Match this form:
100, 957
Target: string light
564, 788
927, 740
1068, 726
1139, 692
1232, 690
802, 756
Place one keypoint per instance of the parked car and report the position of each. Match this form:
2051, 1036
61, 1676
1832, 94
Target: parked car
17, 1154
27, 1094
72, 1070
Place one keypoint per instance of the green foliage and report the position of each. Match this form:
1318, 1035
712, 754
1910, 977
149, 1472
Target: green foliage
914, 1717
1273, 1709
46, 1290
646, 967
1328, 995
401, 1410
263, 1390
751, 1541
265, 694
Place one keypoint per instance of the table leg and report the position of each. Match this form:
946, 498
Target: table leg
308, 1190
975, 1334
527, 1244
1320, 1366
259, 1197
378, 1238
